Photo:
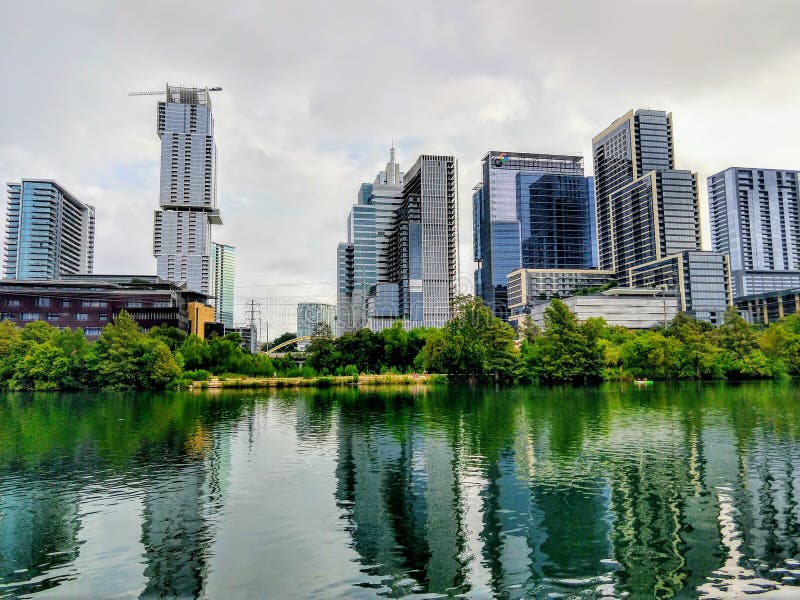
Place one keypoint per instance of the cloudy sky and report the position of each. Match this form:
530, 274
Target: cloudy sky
314, 92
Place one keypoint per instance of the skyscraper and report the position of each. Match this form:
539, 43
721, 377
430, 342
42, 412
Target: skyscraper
646, 210
423, 246
49, 232
362, 260
754, 218
648, 221
532, 211
188, 192
310, 315
223, 259
400, 259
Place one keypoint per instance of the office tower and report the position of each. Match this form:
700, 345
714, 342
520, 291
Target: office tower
363, 260
223, 260
188, 192
531, 211
646, 210
49, 232
423, 254
754, 218
310, 315
401, 257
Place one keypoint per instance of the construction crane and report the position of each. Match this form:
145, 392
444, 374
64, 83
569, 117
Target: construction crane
163, 92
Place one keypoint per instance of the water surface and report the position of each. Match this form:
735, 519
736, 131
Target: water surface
664, 492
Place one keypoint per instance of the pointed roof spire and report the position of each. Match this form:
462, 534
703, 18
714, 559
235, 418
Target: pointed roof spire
391, 153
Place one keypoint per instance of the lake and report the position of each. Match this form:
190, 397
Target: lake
665, 491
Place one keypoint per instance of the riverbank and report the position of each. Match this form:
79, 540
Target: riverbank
234, 382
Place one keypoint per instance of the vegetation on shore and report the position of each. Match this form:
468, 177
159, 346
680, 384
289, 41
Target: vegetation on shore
473, 345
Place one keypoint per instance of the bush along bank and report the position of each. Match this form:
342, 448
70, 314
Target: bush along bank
474, 345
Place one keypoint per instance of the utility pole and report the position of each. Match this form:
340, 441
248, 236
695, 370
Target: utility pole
252, 324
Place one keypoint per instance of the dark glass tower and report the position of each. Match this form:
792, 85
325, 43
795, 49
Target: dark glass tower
532, 211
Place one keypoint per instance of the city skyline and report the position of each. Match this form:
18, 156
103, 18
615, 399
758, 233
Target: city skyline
291, 150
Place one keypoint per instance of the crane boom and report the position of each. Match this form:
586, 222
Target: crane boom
163, 92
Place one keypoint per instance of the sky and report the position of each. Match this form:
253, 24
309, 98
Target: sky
314, 92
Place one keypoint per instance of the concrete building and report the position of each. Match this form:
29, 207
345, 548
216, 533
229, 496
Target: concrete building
49, 232
405, 235
528, 286
646, 209
769, 307
223, 261
312, 314
702, 281
532, 211
200, 315
90, 302
249, 335
755, 218
631, 308
188, 190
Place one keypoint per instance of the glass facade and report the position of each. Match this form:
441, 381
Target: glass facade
530, 211
188, 189
646, 209
223, 258
49, 232
755, 217
310, 315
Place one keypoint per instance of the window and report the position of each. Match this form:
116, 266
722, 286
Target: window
81, 317
12, 302
94, 303
134, 304
66, 303
104, 316
53, 316
6, 316
30, 316
43, 302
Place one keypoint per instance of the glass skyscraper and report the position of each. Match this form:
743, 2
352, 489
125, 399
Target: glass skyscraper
362, 260
400, 260
755, 217
531, 211
223, 259
49, 232
646, 209
188, 192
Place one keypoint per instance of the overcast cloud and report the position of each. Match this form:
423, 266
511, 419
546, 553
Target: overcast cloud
314, 92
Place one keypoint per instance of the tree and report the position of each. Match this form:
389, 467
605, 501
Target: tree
741, 357
124, 358
566, 350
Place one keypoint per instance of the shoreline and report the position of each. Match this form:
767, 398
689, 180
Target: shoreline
317, 382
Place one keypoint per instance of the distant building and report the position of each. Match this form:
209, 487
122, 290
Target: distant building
702, 281
627, 307
249, 335
755, 217
646, 209
312, 314
531, 211
405, 235
49, 232
188, 193
223, 260
529, 286
92, 301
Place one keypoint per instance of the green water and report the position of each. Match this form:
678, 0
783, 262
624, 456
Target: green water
661, 492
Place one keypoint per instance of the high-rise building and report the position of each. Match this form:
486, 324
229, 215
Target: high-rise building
423, 247
223, 261
646, 210
532, 211
400, 260
49, 232
310, 315
754, 218
188, 192
363, 260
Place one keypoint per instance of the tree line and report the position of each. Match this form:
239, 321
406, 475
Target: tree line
477, 346
472, 345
